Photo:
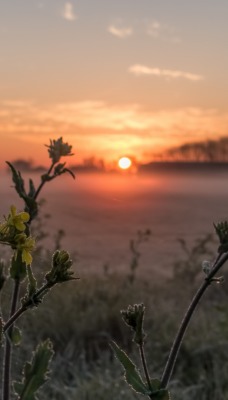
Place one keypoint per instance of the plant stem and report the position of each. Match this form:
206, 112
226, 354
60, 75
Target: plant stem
43, 182
144, 363
7, 355
221, 259
24, 307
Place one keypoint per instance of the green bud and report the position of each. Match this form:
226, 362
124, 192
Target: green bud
222, 231
206, 267
133, 317
58, 149
61, 268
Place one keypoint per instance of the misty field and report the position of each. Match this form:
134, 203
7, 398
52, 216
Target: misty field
100, 213
99, 220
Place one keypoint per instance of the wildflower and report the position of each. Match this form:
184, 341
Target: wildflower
17, 220
58, 149
25, 244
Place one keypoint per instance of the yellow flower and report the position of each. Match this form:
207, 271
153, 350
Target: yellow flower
25, 244
17, 220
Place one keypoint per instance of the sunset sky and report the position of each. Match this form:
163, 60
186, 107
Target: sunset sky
114, 78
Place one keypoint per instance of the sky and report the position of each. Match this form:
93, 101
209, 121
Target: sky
113, 78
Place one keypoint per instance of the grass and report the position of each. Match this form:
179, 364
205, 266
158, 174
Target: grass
82, 318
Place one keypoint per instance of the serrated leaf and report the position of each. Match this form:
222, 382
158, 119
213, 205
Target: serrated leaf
132, 376
32, 189
18, 180
16, 336
35, 372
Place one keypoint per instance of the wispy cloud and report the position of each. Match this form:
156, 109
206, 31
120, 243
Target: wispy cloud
97, 127
140, 70
158, 30
154, 29
120, 32
99, 116
68, 12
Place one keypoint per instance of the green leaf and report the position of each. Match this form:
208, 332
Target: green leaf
35, 372
162, 394
32, 189
16, 336
132, 376
29, 200
156, 392
18, 180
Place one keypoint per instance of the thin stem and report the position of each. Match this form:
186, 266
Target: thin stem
43, 182
221, 259
144, 363
7, 355
24, 307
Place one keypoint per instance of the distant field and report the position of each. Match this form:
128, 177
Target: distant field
101, 213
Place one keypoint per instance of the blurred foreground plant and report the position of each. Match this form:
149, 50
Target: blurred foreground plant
15, 233
156, 388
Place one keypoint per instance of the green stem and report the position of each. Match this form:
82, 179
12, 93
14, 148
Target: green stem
7, 355
24, 307
43, 182
144, 363
221, 259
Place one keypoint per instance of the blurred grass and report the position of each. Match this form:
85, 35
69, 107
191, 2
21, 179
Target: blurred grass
82, 317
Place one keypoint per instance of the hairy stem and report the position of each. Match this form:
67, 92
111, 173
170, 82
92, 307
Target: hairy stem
221, 259
144, 363
24, 307
7, 355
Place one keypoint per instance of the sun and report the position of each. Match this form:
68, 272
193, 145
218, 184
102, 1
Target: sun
124, 163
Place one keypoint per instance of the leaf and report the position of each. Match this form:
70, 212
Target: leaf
18, 180
29, 200
32, 189
132, 376
156, 392
162, 394
35, 372
16, 336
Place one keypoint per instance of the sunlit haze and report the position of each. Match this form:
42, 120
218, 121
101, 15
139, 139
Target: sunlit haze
111, 77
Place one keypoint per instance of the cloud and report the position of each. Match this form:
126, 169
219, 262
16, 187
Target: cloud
157, 30
120, 32
96, 127
140, 70
68, 12
154, 29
